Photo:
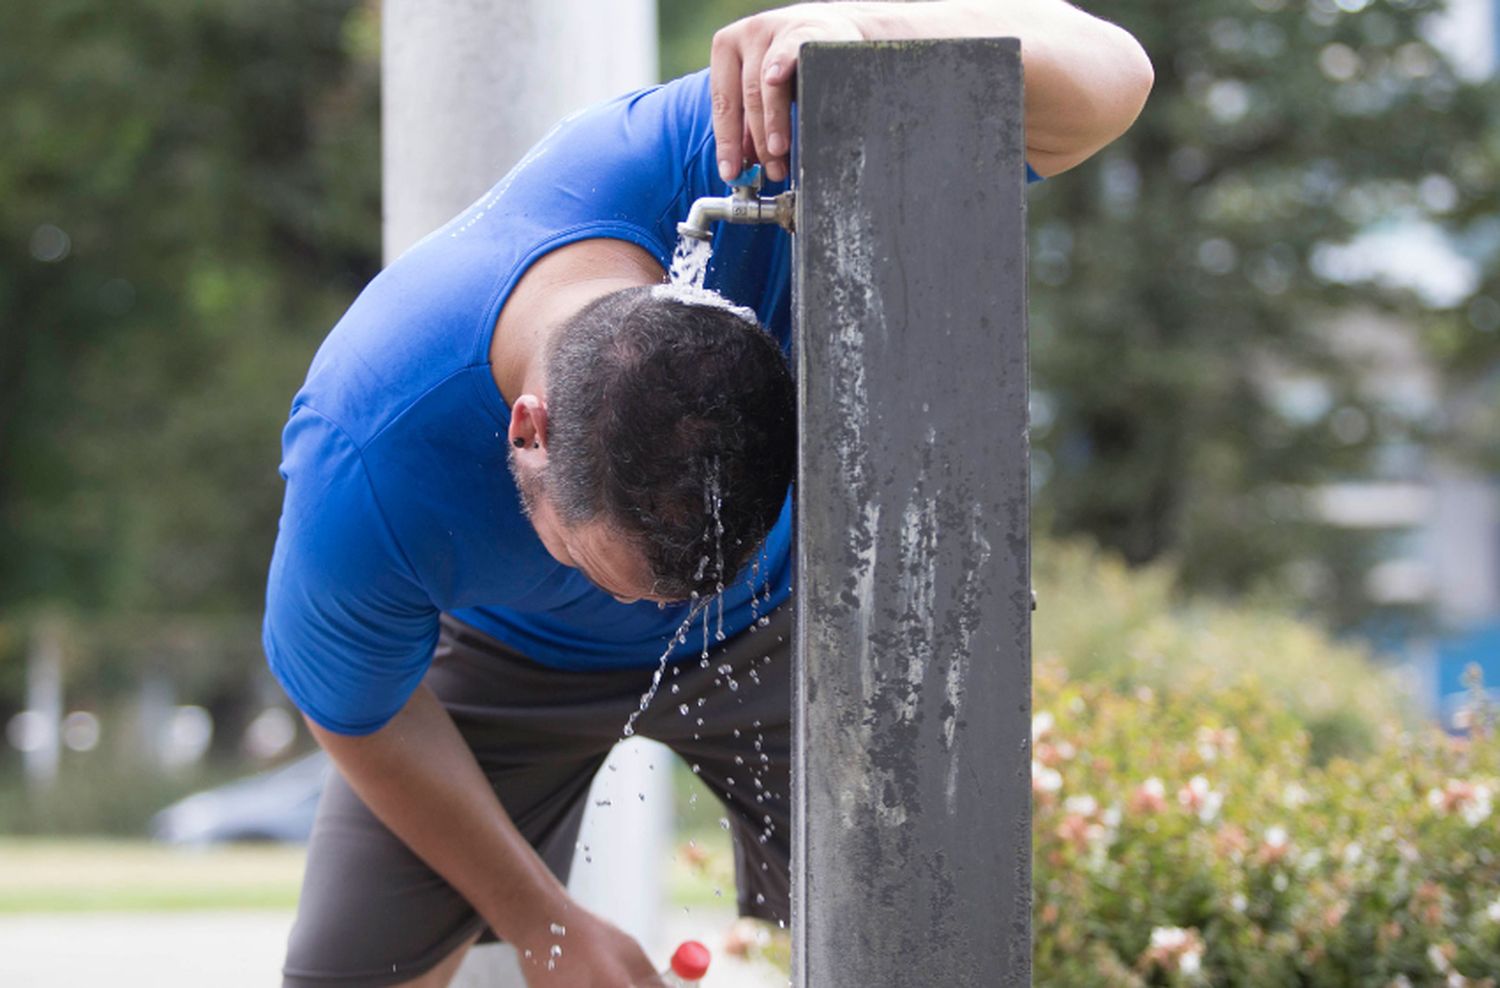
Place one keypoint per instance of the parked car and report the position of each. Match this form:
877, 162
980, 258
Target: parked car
277, 805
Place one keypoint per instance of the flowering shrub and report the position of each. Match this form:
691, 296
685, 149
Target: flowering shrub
1127, 628
1185, 835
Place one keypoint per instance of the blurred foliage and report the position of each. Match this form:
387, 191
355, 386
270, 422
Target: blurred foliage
112, 790
1126, 629
1199, 366
1186, 836
188, 199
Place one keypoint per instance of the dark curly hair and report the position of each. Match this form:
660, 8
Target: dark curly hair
658, 407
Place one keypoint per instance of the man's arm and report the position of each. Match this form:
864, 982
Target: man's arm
1086, 79
419, 777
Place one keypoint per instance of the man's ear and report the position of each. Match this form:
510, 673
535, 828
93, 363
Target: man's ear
528, 427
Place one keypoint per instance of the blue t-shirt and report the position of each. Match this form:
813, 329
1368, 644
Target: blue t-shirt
399, 502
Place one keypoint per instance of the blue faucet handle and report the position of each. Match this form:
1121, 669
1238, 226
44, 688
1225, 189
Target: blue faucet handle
749, 178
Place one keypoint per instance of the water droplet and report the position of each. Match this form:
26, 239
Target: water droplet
723, 823
559, 930
683, 709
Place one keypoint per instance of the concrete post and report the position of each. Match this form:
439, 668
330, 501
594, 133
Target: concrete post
911, 790
467, 87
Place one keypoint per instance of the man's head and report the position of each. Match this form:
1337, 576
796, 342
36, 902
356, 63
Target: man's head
669, 435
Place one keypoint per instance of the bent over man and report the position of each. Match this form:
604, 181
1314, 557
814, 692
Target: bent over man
521, 468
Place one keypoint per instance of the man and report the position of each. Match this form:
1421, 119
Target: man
518, 471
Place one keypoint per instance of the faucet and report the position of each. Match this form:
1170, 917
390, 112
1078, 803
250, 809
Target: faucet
744, 204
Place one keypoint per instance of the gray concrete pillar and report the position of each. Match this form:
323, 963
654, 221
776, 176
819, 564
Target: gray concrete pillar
912, 797
469, 85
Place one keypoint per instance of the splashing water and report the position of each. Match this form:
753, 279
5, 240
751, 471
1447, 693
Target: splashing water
690, 262
661, 667
686, 275
715, 496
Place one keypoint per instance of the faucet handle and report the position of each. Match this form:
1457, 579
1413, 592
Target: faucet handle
750, 179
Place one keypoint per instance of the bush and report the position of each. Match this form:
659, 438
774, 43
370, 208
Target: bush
1127, 628
1185, 834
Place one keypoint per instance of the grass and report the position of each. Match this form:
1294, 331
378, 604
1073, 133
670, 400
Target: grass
50, 875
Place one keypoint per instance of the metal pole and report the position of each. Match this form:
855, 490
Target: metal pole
912, 795
467, 86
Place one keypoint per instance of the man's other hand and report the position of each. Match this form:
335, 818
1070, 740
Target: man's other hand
595, 954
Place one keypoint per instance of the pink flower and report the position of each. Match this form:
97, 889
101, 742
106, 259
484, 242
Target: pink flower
1173, 949
1149, 798
1199, 798
1471, 800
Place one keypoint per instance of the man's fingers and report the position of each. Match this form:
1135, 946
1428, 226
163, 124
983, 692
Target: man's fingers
754, 101
777, 81
725, 84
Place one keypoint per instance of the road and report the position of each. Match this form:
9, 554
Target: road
230, 949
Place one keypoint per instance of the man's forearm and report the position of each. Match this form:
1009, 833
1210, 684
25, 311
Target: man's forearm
417, 775
1086, 79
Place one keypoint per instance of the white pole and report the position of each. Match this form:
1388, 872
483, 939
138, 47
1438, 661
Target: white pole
467, 87
470, 85
44, 699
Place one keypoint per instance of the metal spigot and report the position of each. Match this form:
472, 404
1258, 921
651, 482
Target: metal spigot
744, 204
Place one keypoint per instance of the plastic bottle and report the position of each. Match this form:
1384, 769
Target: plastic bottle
689, 965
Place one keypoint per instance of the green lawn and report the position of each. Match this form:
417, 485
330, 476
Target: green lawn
49, 875
89, 874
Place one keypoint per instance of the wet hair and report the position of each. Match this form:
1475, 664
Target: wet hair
657, 406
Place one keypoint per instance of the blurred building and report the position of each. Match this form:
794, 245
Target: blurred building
1440, 512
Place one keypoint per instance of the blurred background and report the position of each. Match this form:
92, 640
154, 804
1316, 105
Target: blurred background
1266, 332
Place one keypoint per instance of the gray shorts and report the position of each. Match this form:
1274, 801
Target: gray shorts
371, 913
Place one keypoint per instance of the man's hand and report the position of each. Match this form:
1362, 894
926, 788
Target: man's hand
1086, 79
595, 954
751, 74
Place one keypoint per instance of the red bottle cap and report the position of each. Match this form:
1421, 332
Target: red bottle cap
691, 961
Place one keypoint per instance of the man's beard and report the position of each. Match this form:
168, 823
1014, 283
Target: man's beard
530, 483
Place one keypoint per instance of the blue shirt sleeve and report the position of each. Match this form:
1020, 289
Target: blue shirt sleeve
349, 631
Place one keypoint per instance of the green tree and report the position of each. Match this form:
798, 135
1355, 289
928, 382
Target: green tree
188, 198
1181, 303
1190, 383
